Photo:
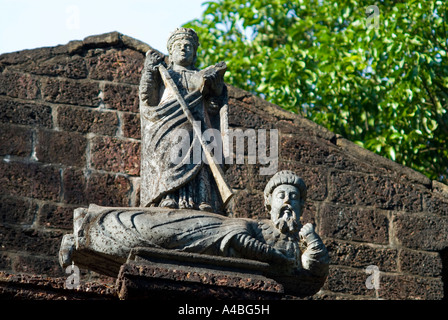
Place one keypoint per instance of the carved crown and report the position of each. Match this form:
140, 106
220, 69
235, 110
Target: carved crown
183, 33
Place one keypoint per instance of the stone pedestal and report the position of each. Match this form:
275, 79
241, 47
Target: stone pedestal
163, 274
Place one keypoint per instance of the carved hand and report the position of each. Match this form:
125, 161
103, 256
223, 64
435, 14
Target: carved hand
308, 234
153, 58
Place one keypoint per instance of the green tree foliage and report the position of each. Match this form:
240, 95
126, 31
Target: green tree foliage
383, 86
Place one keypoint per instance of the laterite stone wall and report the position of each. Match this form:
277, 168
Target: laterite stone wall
70, 136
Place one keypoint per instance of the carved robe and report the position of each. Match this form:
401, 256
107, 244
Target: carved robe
190, 183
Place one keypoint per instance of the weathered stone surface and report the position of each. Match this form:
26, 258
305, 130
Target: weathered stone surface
352, 223
73, 67
337, 172
424, 232
31, 114
75, 183
240, 116
82, 187
75, 92
18, 85
360, 255
121, 97
109, 190
436, 203
115, 155
56, 216
373, 190
30, 240
85, 120
131, 125
421, 263
30, 180
16, 210
116, 65
59, 147
237, 176
37, 287
15, 140
184, 279
348, 281
315, 178
30, 264
249, 205
378, 161
309, 150
404, 287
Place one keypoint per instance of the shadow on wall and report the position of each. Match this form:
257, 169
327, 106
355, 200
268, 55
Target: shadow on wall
444, 257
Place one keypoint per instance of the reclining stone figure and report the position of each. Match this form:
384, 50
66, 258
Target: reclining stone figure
280, 241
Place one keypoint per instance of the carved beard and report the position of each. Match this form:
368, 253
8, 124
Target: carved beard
287, 220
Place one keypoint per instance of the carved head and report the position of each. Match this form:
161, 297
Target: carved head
182, 47
284, 197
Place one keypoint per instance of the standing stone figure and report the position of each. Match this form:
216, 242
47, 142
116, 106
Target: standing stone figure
186, 184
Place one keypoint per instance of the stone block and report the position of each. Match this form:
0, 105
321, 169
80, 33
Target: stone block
52, 215
39, 287
358, 255
428, 264
249, 205
405, 287
31, 180
121, 97
67, 66
84, 188
75, 184
109, 190
348, 281
30, 114
84, 120
241, 117
315, 178
37, 265
15, 140
60, 147
436, 203
421, 232
171, 275
310, 150
15, 210
115, 155
75, 92
353, 223
19, 85
30, 240
131, 126
116, 65
374, 190
237, 176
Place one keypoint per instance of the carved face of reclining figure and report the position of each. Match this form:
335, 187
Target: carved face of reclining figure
286, 208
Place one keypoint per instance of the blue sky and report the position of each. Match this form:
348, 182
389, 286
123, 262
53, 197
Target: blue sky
29, 24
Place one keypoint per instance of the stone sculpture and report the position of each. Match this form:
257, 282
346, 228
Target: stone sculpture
181, 203
189, 184
281, 241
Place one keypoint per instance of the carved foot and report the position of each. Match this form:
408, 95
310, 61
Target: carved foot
66, 250
205, 207
169, 203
